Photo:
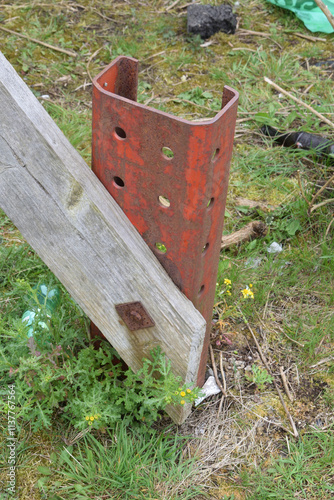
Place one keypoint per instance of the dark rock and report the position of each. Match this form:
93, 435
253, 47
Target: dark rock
206, 20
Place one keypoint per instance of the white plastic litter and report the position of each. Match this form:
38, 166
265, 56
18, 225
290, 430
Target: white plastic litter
209, 388
253, 262
275, 248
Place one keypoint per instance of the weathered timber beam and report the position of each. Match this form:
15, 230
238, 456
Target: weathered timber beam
78, 230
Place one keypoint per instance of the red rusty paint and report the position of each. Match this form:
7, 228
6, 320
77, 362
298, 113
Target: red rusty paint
128, 157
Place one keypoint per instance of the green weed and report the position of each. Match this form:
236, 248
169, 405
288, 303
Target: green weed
47, 358
53, 381
259, 376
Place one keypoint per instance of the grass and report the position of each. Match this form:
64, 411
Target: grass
75, 124
293, 305
304, 470
126, 465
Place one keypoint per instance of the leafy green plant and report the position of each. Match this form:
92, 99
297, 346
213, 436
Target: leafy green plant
201, 97
143, 89
55, 376
286, 221
259, 376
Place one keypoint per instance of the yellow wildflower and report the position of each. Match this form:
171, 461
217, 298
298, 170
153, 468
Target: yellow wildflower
227, 281
92, 418
183, 394
188, 391
247, 293
96, 417
87, 417
182, 401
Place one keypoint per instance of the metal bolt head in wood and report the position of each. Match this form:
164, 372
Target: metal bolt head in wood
134, 315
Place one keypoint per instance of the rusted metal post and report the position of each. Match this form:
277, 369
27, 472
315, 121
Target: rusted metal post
170, 178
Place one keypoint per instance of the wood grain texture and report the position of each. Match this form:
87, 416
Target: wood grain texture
78, 230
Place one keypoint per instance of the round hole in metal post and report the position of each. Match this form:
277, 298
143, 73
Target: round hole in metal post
204, 249
201, 290
120, 133
161, 248
167, 153
118, 182
210, 203
215, 154
164, 202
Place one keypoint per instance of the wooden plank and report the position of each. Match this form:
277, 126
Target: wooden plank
76, 227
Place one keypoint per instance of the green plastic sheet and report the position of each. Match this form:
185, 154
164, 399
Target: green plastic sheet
308, 11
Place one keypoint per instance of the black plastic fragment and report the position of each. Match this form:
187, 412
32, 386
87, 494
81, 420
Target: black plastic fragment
301, 140
329, 63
